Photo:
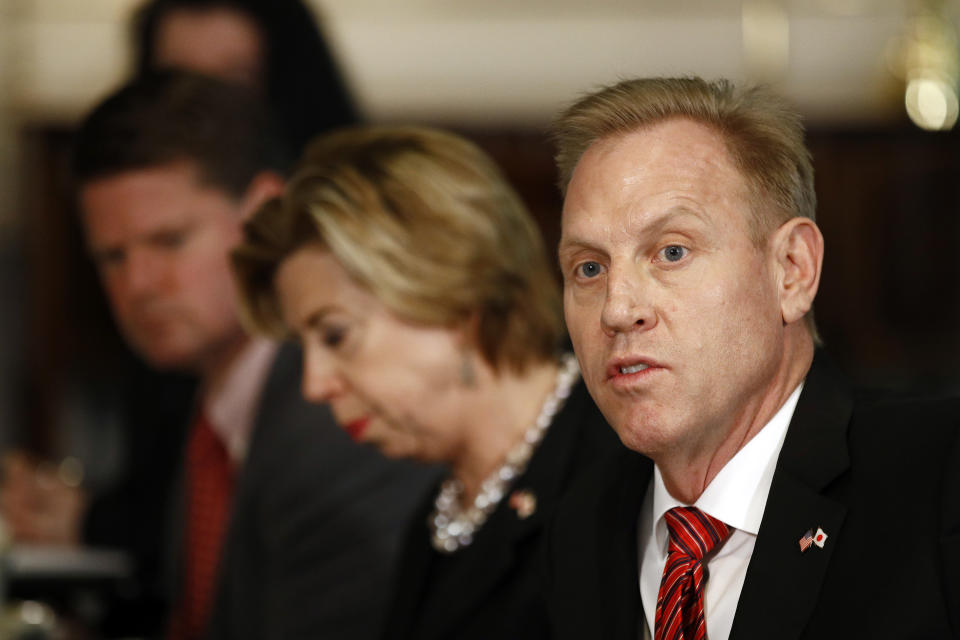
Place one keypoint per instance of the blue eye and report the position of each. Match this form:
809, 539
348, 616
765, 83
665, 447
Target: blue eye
674, 253
589, 269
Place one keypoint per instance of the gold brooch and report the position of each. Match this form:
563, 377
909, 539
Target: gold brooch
523, 502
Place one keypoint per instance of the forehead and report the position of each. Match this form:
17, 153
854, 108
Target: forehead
137, 202
311, 282
639, 176
212, 40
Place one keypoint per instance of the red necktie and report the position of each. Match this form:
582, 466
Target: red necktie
680, 601
209, 485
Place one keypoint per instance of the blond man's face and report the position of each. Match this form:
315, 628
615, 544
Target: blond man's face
672, 309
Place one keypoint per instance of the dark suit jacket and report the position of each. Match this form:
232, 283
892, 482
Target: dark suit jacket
882, 478
316, 526
134, 514
491, 589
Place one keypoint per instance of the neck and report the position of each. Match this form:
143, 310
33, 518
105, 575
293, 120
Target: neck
216, 367
501, 408
688, 470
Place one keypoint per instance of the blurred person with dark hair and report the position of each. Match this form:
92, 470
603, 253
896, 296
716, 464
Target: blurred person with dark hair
167, 169
273, 45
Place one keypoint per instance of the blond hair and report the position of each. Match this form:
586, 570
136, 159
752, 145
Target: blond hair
425, 221
763, 136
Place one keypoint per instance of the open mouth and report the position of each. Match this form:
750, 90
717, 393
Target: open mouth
631, 368
634, 368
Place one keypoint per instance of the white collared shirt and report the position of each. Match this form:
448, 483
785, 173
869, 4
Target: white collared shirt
232, 407
737, 496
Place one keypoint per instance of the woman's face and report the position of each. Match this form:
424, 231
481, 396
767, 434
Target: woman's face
219, 42
389, 382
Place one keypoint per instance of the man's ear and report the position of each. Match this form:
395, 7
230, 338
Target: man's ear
798, 252
264, 186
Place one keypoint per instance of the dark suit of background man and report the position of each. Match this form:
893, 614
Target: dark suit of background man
167, 169
755, 488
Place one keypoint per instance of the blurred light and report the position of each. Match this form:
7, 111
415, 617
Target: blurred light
931, 103
927, 59
34, 613
766, 39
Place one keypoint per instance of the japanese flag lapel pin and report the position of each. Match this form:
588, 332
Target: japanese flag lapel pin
811, 538
819, 537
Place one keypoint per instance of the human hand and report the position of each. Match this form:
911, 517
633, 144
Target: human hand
41, 503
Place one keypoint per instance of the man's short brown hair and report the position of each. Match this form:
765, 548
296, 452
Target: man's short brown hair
763, 136
221, 130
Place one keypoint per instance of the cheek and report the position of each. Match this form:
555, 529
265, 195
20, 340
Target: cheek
577, 315
390, 391
115, 295
206, 278
423, 398
747, 333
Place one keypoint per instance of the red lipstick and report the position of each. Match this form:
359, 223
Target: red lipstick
356, 428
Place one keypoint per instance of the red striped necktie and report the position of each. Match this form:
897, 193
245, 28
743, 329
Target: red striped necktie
680, 601
209, 493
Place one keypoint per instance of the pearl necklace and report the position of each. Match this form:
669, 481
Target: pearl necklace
453, 527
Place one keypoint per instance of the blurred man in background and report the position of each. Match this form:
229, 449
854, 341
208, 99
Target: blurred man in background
277, 47
167, 169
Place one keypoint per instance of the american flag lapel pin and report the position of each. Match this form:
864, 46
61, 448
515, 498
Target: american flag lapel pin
810, 538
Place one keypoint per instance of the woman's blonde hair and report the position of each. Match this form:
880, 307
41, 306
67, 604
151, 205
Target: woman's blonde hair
425, 221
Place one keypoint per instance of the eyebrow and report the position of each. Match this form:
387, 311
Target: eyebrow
568, 243
147, 236
316, 318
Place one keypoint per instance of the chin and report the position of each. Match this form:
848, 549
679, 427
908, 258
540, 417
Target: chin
641, 432
169, 359
401, 453
410, 447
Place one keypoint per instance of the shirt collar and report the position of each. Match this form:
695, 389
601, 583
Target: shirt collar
232, 406
738, 494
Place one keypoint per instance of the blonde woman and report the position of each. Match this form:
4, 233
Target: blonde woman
430, 319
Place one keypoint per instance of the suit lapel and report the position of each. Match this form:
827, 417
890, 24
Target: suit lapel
474, 576
782, 584
415, 569
599, 557
619, 589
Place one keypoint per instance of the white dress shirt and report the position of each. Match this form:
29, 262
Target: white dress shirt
232, 407
737, 496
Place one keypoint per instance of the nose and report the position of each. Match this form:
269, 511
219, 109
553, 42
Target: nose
627, 305
321, 383
141, 272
